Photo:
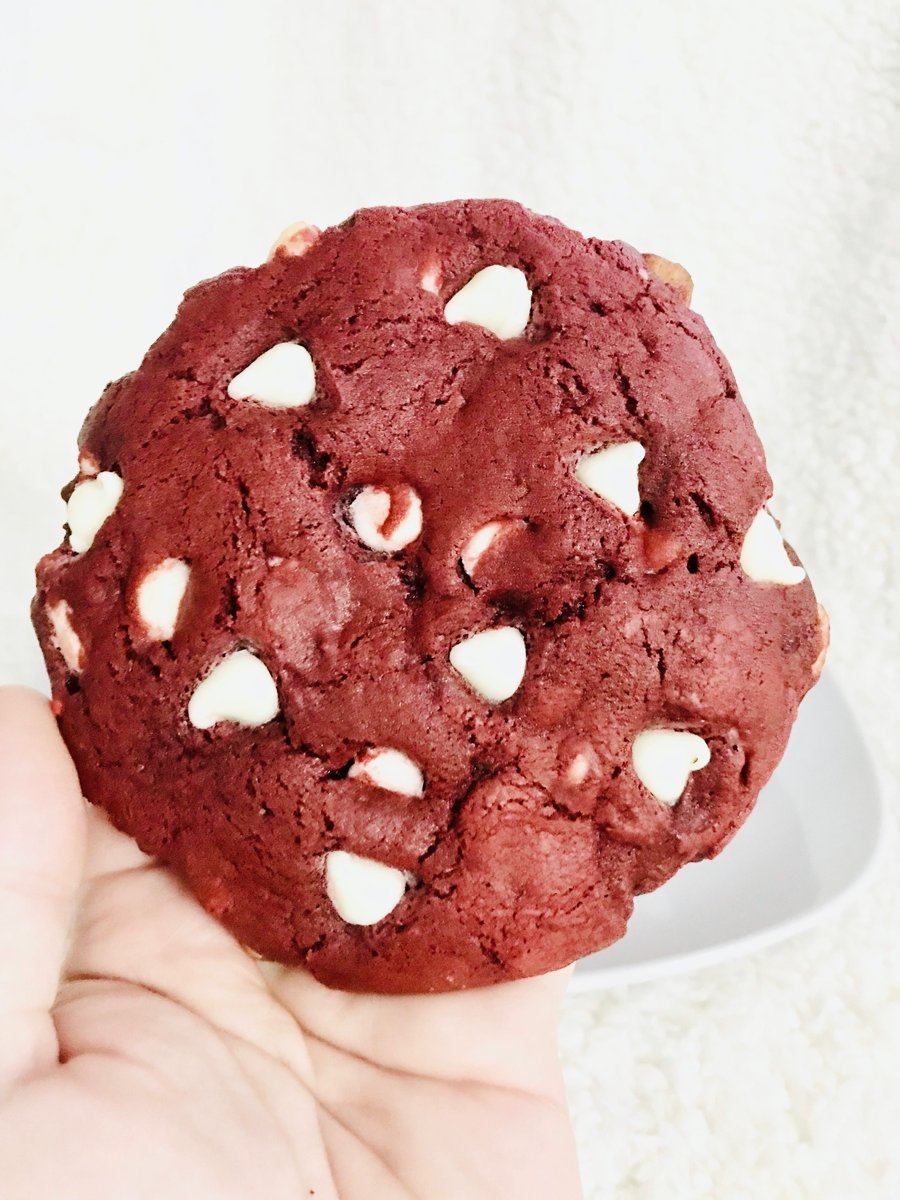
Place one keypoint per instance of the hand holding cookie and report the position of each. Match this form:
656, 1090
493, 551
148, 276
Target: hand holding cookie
145, 1053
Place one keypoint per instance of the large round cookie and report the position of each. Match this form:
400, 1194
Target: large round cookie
420, 604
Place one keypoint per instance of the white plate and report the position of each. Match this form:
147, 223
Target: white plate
807, 846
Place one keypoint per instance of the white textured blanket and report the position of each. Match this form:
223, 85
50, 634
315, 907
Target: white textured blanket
144, 146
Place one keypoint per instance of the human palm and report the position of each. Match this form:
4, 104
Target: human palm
145, 1053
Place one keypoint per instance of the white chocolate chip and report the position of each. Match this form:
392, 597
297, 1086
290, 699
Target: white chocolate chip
87, 463
391, 770
159, 596
283, 377
492, 663
763, 554
663, 759
362, 890
63, 635
238, 689
294, 241
430, 279
386, 519
613, 474
825, 638
579, 768
479, 542
90, 503
497, 298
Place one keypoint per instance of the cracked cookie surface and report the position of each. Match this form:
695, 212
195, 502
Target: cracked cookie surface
381, 614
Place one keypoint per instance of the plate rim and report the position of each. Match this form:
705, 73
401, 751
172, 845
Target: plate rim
600, 978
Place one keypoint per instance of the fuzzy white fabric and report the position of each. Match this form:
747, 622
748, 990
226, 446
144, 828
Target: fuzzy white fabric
145, 146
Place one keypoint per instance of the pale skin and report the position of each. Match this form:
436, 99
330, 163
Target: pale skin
145, 1053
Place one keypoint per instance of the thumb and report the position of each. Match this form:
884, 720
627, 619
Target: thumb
42, 843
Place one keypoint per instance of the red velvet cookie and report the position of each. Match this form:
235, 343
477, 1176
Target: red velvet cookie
420, 603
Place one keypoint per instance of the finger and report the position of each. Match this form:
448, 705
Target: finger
41, 861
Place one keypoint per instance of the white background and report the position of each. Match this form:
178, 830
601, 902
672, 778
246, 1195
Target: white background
146, 146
